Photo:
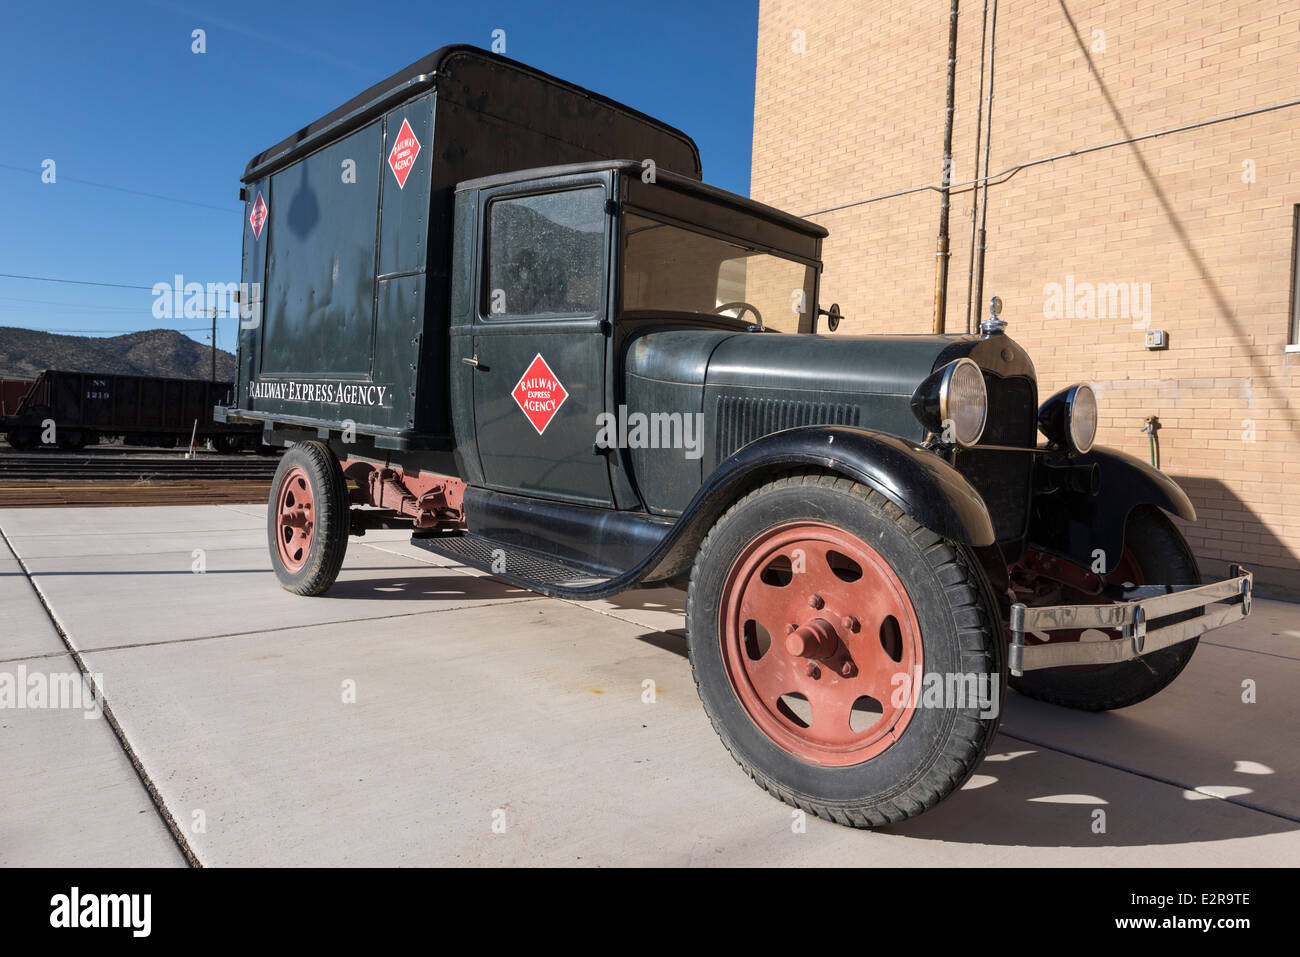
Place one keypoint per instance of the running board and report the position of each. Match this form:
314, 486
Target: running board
523, 567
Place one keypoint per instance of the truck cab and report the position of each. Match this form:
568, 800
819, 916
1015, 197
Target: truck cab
619, 287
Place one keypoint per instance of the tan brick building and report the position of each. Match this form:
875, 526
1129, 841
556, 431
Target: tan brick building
1197, 226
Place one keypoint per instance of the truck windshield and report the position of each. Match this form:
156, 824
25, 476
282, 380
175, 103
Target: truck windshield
674, 269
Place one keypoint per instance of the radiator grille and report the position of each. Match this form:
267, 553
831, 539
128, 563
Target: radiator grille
1003, 478
742, 419
1013, 412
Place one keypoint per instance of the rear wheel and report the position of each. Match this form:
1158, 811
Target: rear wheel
817, 613
307, 519
1154, 553
23, 440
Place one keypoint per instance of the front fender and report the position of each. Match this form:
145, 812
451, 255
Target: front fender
1077, 526
1126, 477
920, 483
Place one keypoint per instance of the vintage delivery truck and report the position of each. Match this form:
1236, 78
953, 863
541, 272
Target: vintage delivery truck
509, 312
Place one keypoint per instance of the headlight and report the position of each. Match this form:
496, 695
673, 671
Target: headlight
952, 403
1069, 418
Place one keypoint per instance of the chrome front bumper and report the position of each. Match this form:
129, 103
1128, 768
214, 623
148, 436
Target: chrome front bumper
1218, 604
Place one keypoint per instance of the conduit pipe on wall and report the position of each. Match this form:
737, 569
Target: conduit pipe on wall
975, 194
974, 302
941, 247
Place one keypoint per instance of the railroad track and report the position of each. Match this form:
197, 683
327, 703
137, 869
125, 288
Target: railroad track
47, 466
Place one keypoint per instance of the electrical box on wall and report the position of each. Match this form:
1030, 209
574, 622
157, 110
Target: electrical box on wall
1157, 339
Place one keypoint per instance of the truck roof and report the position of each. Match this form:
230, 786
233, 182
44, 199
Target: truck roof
662, 177
419, 76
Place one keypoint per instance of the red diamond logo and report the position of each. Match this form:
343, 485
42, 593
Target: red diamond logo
405, 149
539, 394
257, 218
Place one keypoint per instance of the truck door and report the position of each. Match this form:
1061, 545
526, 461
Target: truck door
539, 341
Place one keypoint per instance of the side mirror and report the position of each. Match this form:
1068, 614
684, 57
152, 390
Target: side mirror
832, 315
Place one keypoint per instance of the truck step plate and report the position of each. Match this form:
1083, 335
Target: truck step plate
516, 565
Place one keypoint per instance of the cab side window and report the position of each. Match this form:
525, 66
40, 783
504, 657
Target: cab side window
545, 254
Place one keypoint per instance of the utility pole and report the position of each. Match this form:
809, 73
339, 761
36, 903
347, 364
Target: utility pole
988, 142
941, 246
214, 345
976, 183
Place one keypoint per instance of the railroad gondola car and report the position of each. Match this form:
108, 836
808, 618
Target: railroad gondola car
11, 394
68, 410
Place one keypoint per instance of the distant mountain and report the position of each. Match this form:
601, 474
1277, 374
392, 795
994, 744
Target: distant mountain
24, 353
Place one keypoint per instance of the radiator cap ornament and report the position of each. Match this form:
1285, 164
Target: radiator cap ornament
993, 326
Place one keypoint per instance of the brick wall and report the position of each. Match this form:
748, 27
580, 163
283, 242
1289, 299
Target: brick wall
849, 104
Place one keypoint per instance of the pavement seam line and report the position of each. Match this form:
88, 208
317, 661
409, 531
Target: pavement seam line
425, 561
1253, 651
1159, 779
151, 789
47, 654
609, 613
313, 624
574, 602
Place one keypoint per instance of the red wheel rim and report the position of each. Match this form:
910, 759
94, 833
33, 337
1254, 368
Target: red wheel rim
295, 518
821, 643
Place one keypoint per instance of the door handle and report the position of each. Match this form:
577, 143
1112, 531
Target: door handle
470, 360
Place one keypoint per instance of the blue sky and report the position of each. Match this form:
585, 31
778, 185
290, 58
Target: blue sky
113, 94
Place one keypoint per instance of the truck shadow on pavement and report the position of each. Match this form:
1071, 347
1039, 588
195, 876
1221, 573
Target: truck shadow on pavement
1187, 767
425, 587
1053, 777
1167, 788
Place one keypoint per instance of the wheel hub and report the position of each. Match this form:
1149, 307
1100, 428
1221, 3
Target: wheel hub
818, 637
295, 507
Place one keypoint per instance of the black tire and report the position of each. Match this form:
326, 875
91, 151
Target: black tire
1165, 559
23, 440
225, 443
940, 747
329, 538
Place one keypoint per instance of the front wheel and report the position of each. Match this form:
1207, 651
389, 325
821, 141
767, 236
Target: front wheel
844, 653
1154, 553
307, 519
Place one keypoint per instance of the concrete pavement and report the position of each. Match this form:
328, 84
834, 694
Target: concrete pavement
423, 713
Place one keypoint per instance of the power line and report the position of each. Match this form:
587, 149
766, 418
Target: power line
997, 179
103, 332
71, 305
73, 282
123, 189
